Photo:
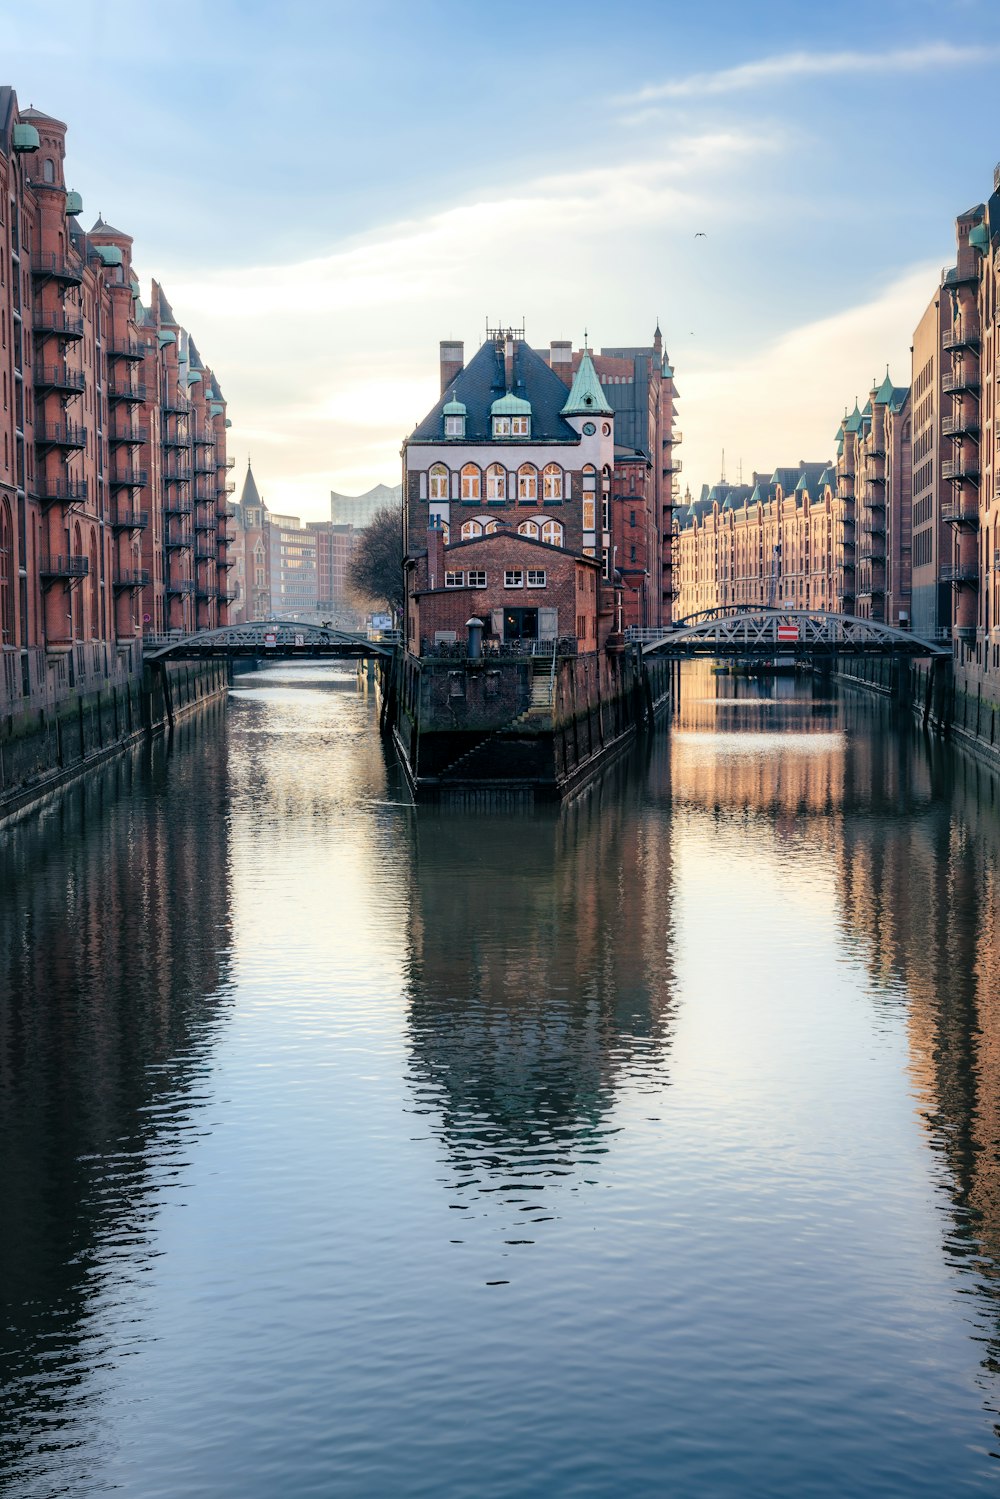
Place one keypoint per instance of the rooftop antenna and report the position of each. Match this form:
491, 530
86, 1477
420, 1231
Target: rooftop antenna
740, 472
723, 465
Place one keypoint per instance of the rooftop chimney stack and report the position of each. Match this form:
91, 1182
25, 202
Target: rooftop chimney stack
452, 361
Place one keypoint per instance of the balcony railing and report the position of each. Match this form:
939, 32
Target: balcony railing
177, 505
958, 426
56, 268
960, 573
128, 436
173, 406
60, 435
966, 634
203, 465
205, 524
873, 554
963, 513
962, 337
960, 468
120, 391
230, 463
131, 520
174, 473
129, 478
958, 380
204, 554
224, 596
131, 577
123, 348
179, 586
177, 541
65, 567
873, 528
61, 490
58, 377
57, 324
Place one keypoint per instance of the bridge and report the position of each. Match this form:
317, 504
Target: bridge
802, 634
273, 637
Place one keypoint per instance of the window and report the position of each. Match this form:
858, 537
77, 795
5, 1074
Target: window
520, 426
513, 579
529, 528
491, 527
631, 517
496, 482
470, 482
552, 482
536, 577
589, 477
501, 426
477, 579
527, 482
589, 512
48, 170
438, 488
471, 528
454, 426
454, 580
552, 533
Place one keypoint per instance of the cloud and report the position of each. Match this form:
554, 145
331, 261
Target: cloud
791, 65
785, 400
328, 362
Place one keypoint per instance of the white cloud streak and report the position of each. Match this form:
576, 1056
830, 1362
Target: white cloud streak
789, 66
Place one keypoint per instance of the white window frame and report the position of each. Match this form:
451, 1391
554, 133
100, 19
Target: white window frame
529, 528
472, 482
471, 528
536, 577
501, 426
437, 482
513, 577
496, 483
454, 426
454, 579
527, 484
556, 533
552, 482
476, 578
590, 512
520, 426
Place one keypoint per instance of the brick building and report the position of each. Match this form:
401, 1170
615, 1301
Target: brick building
507, 483
874, 485
92, 384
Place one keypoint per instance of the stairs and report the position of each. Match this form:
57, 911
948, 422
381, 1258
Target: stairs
541, 686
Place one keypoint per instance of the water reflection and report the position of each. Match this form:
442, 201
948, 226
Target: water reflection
114, 937
540, 982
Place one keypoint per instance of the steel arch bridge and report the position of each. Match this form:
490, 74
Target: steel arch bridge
800, 633
272, 637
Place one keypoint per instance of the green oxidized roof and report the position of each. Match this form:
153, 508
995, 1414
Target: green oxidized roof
586, 395
979, 238
508, 405
456, 408
885, 391
853, 423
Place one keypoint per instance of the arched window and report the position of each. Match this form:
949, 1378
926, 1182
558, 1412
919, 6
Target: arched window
48, 170
496, 482
445, 532
6, 576
437, 488
527, 483
528, 528
552, 482
471, 481
492, 527
471, 528
552, 532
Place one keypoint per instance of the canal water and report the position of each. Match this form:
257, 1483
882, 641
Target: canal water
648, 1146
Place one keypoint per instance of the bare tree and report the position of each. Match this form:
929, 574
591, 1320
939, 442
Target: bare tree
376, 568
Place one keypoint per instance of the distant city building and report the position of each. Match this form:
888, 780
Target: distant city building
335, 546
292, 566
874, 515
358, 510
931, 535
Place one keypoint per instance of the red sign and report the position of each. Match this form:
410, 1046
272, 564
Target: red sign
788, 632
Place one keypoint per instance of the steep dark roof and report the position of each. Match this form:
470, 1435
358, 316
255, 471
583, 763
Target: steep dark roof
248, 494
482, 382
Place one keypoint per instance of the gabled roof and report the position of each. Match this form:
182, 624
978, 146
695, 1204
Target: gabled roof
103, 227
586, 398
483, 380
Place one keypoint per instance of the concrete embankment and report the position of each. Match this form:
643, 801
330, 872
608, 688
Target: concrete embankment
67, 721
955, 701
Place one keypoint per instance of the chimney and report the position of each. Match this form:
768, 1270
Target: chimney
452, 361
561, 359
508, 361
435, 553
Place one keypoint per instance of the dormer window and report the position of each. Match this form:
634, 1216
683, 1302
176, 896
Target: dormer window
510, 416
454, 426
520, 426
501, 426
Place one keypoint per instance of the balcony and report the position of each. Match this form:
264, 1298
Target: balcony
873, 554
57, 325
846, 563
963, 337
201, 524
123, 348
873, 528
173, 406
204, 590
230, 463
60, 435
66, 568
131, 578
60, 490
174, 440
961, 574
204, 438
182, 586
204, 554
133, 394
962, 469
128, 436
226, 562
56, 268
177, 505
874, 455
959, 426
231, 487
957, 381
225, 597
129, 478
131, 520
180, 541
176, 474
966, 634
875, 501
203, 465
58, 377
962, 513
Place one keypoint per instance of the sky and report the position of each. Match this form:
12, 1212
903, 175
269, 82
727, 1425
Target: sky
327, 190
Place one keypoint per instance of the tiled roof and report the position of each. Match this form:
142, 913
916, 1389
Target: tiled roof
483, 380
586, 397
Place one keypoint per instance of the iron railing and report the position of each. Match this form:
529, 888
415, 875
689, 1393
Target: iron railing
65, 567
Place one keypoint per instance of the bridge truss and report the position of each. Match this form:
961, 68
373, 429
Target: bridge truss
272, 637
800, 633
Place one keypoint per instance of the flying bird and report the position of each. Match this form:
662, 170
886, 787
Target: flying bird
701, 234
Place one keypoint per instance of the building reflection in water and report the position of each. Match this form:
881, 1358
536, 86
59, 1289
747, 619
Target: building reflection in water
114, 937
540, 983
911, 830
